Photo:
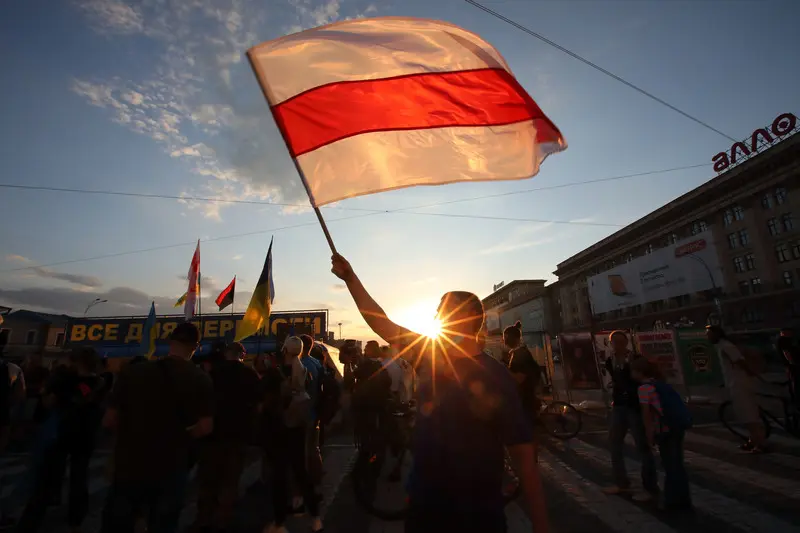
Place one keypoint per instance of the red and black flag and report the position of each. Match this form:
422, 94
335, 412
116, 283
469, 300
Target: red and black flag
225, 298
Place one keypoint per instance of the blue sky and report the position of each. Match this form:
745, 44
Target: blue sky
154, 96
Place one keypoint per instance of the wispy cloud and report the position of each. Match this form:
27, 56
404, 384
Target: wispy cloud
42, 272
187, 103
520, 238
237, 257
339, 287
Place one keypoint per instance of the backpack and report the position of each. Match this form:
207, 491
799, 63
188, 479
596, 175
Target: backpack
330, 397
676, 414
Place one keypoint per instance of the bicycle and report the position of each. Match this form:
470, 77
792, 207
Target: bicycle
560, 419
377, 452
790, 422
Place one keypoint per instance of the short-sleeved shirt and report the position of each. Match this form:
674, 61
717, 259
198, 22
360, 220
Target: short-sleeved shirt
157, 401
649, 396
735, 376
237, 393
461, 432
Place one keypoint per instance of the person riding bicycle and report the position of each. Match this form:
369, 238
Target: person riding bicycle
371, 395
461, 431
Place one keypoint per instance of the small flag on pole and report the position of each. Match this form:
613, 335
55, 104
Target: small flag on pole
181, 301
149, 333
194, 279
371, 105
225, 298
260, 303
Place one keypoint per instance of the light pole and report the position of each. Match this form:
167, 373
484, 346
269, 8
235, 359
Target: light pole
340, 331
717, 301
92, 304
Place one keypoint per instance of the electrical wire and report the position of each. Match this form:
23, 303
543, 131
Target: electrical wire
597, 67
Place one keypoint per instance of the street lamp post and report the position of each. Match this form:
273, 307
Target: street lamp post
340, 331
714, 288
92, 304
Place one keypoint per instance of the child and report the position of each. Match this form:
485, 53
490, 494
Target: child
666, 420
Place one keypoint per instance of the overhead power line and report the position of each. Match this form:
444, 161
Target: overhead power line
597, 67
107, 192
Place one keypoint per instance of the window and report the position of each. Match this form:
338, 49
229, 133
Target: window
750, 261
59, 339
658, 305
780, 195
649, 249
788, 279
744, 287
772, 225
787, 221
766, 201
738, 212
30, 338
733, 240
744, 237
796, 249
738, 264
782, 252
672, 238
755, 283
752, 314
629, 258
727, 217
699, 226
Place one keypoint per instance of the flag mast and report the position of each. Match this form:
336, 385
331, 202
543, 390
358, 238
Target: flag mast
259, 76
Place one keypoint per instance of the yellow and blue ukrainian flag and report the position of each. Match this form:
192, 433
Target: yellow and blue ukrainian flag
260, 303
149, 333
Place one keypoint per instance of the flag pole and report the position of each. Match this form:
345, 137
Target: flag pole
233, 296
259, 76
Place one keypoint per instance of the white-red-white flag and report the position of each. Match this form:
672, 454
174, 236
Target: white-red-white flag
370, 105
193, 276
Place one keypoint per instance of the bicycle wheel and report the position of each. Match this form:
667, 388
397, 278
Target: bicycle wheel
728, 417
561, 420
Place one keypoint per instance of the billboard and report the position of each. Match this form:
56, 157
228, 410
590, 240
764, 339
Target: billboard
688, 266
660, 348
123, 336
579, 362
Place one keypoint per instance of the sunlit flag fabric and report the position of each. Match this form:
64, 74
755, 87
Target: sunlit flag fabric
377, 104
225, 298
194, 279
181, 300
260, 303
149, 333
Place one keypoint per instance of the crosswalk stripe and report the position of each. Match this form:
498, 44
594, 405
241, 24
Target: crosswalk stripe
778, 459
737, 474
617, 513
733, 512
776, 438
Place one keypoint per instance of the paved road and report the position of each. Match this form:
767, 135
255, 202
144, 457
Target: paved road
732, 492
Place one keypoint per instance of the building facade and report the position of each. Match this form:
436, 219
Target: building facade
526, 301
23, 333
752, 211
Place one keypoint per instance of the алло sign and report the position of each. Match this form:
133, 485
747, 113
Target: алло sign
762, 137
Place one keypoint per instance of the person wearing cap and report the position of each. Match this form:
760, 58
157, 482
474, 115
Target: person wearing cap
237, 401
157, 409
287, 408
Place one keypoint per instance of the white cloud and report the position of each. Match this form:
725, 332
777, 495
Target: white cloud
237, 257
520, 239
17, 258
186, 102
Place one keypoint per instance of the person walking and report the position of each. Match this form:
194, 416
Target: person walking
626, 416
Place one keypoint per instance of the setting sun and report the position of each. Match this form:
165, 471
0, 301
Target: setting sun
421, 319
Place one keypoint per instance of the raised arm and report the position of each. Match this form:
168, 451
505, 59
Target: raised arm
373, 314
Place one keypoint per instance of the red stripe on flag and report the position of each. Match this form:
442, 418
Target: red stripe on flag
468, 98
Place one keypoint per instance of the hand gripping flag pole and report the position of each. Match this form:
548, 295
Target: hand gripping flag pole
257, 70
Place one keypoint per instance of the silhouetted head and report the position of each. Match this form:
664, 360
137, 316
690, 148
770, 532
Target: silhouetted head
715, 334
619, 341
308, 343
512, 335
461, 314
184, 340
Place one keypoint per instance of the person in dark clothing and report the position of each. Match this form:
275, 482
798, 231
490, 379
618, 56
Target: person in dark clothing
157, 410
106, 374
237, 400
76, 396
626, 417
525, 369
788, 348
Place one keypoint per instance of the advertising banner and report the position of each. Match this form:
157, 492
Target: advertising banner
577, 355
659, 347
691, 265
604, 352
106, 333
701, 365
